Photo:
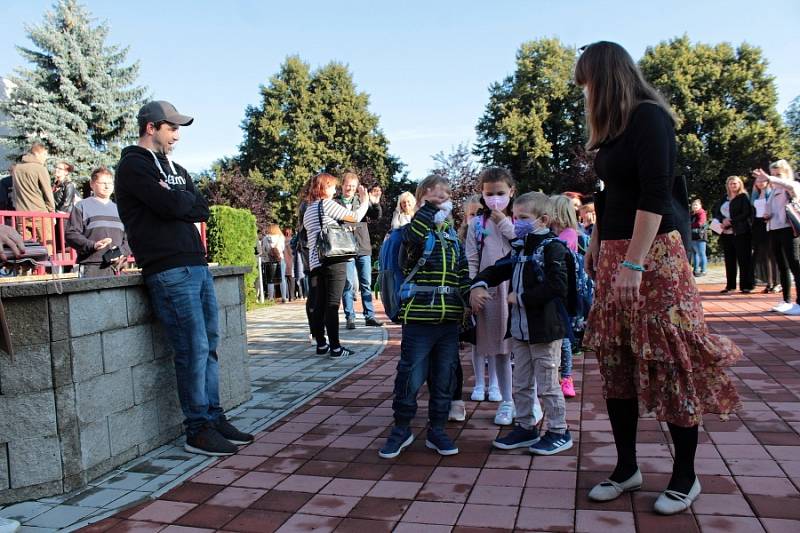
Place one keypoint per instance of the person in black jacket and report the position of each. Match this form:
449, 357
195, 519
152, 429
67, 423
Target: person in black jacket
736, 214
539, 274
159, 206
361, 266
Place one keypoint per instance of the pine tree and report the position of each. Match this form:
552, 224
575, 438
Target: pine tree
310, 122
726, 103
792, 118
77, 97
533, 123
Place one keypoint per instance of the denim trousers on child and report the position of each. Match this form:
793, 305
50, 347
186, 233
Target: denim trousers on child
566, 357
536, 365
427, 351
185, 303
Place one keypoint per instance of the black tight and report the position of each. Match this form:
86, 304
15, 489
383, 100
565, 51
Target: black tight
624, 417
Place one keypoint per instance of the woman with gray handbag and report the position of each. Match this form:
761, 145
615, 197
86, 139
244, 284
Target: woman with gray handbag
781, 211
330, 246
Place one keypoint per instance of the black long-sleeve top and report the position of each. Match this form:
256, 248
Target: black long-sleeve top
159, 221
638, 170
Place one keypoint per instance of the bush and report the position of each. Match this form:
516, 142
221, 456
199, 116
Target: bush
232, 237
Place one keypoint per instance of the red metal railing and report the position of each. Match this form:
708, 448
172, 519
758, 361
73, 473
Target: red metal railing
48, 229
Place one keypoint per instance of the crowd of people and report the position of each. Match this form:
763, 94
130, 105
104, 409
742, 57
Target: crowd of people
758, 240
528, 279
92, 226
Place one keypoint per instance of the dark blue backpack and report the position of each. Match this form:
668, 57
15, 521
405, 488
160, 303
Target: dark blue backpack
394, 286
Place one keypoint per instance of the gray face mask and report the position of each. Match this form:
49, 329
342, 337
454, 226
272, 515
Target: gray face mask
444, 211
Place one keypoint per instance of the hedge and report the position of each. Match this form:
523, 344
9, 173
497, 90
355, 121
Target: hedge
232, 237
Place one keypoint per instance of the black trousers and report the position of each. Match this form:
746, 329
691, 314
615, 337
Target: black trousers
764, 265
738, 253
326, 286
785, 246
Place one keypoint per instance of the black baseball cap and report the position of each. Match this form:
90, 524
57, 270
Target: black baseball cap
159, 110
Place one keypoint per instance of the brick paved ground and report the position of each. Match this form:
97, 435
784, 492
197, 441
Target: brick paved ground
318, 469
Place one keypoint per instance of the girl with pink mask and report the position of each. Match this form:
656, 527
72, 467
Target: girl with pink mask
488, 240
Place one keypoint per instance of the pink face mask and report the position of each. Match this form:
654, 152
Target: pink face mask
497, 202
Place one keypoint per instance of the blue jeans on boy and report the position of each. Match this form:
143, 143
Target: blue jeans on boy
427, 351
360, 267
566, 357
699, 259
185, 303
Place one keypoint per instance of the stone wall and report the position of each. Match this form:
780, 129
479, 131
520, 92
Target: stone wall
92, 384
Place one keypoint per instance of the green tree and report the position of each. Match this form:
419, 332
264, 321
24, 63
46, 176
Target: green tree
726, 103
792, 117
309, 122
533, 123
460, 169
78, 97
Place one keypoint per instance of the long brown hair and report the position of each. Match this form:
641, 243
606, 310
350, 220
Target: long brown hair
318, 184
615, 87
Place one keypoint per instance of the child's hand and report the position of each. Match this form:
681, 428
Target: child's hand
478, 297
512, 298
435, 197
497, 216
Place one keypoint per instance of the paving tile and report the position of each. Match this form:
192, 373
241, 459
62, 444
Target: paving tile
548, 498
185, 529
300, 483
433, 513
330, 505
445, 474
348, 487
729, 524
219, 476
494, 495
276, 500
61, 516
776, 525
236, 497
722, 504
163, 511
304, 522
257, 521
530, 519
444, 492
395, 489
357, 525
191, 492
594, 521
502, 477
133, 526
259, 480
775, 507
384, 509
484, 516
209, 516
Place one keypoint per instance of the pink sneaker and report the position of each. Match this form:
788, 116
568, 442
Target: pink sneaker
567, 387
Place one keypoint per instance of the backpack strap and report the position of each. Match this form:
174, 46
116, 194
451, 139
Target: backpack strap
430, 242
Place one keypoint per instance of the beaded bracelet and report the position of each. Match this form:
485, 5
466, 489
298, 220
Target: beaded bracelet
633, 266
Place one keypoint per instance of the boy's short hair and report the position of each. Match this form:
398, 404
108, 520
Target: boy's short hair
429, 183
536, 203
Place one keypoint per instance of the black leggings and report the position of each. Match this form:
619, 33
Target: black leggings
785, 244
326, 286
737, 250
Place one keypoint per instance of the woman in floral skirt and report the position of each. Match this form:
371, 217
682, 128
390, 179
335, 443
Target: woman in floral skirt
646, 326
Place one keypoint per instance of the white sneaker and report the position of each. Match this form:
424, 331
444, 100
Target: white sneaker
792, 310
478, 394
8, 526
505, 414
494, 394
781, 307
458, 411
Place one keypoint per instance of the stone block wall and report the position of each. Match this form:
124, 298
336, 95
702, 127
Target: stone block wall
92, 384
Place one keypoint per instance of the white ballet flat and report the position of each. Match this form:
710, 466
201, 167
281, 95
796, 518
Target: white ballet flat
674, 502
610, 490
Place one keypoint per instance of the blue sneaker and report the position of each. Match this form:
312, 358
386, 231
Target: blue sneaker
518, 438
552, 443
439, 441
399, 438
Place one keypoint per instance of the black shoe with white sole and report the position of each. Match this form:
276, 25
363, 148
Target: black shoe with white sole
209, 441
340, 352
229, 431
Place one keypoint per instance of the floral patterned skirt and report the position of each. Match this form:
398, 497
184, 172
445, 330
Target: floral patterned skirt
662, 352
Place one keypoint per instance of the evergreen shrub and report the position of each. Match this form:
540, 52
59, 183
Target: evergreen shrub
231, 236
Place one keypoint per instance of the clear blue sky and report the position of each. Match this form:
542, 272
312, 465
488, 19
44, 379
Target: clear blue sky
425, 64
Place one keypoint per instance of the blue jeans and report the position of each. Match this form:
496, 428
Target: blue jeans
362, 267
699, 259
566, 357
185, 303
427, 351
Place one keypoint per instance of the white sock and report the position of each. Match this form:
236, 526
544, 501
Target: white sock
478, 362
492, 371
503, 367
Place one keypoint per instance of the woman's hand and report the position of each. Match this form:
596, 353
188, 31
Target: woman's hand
625, 287
363, 196
512, 298
9, 238
478, 297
